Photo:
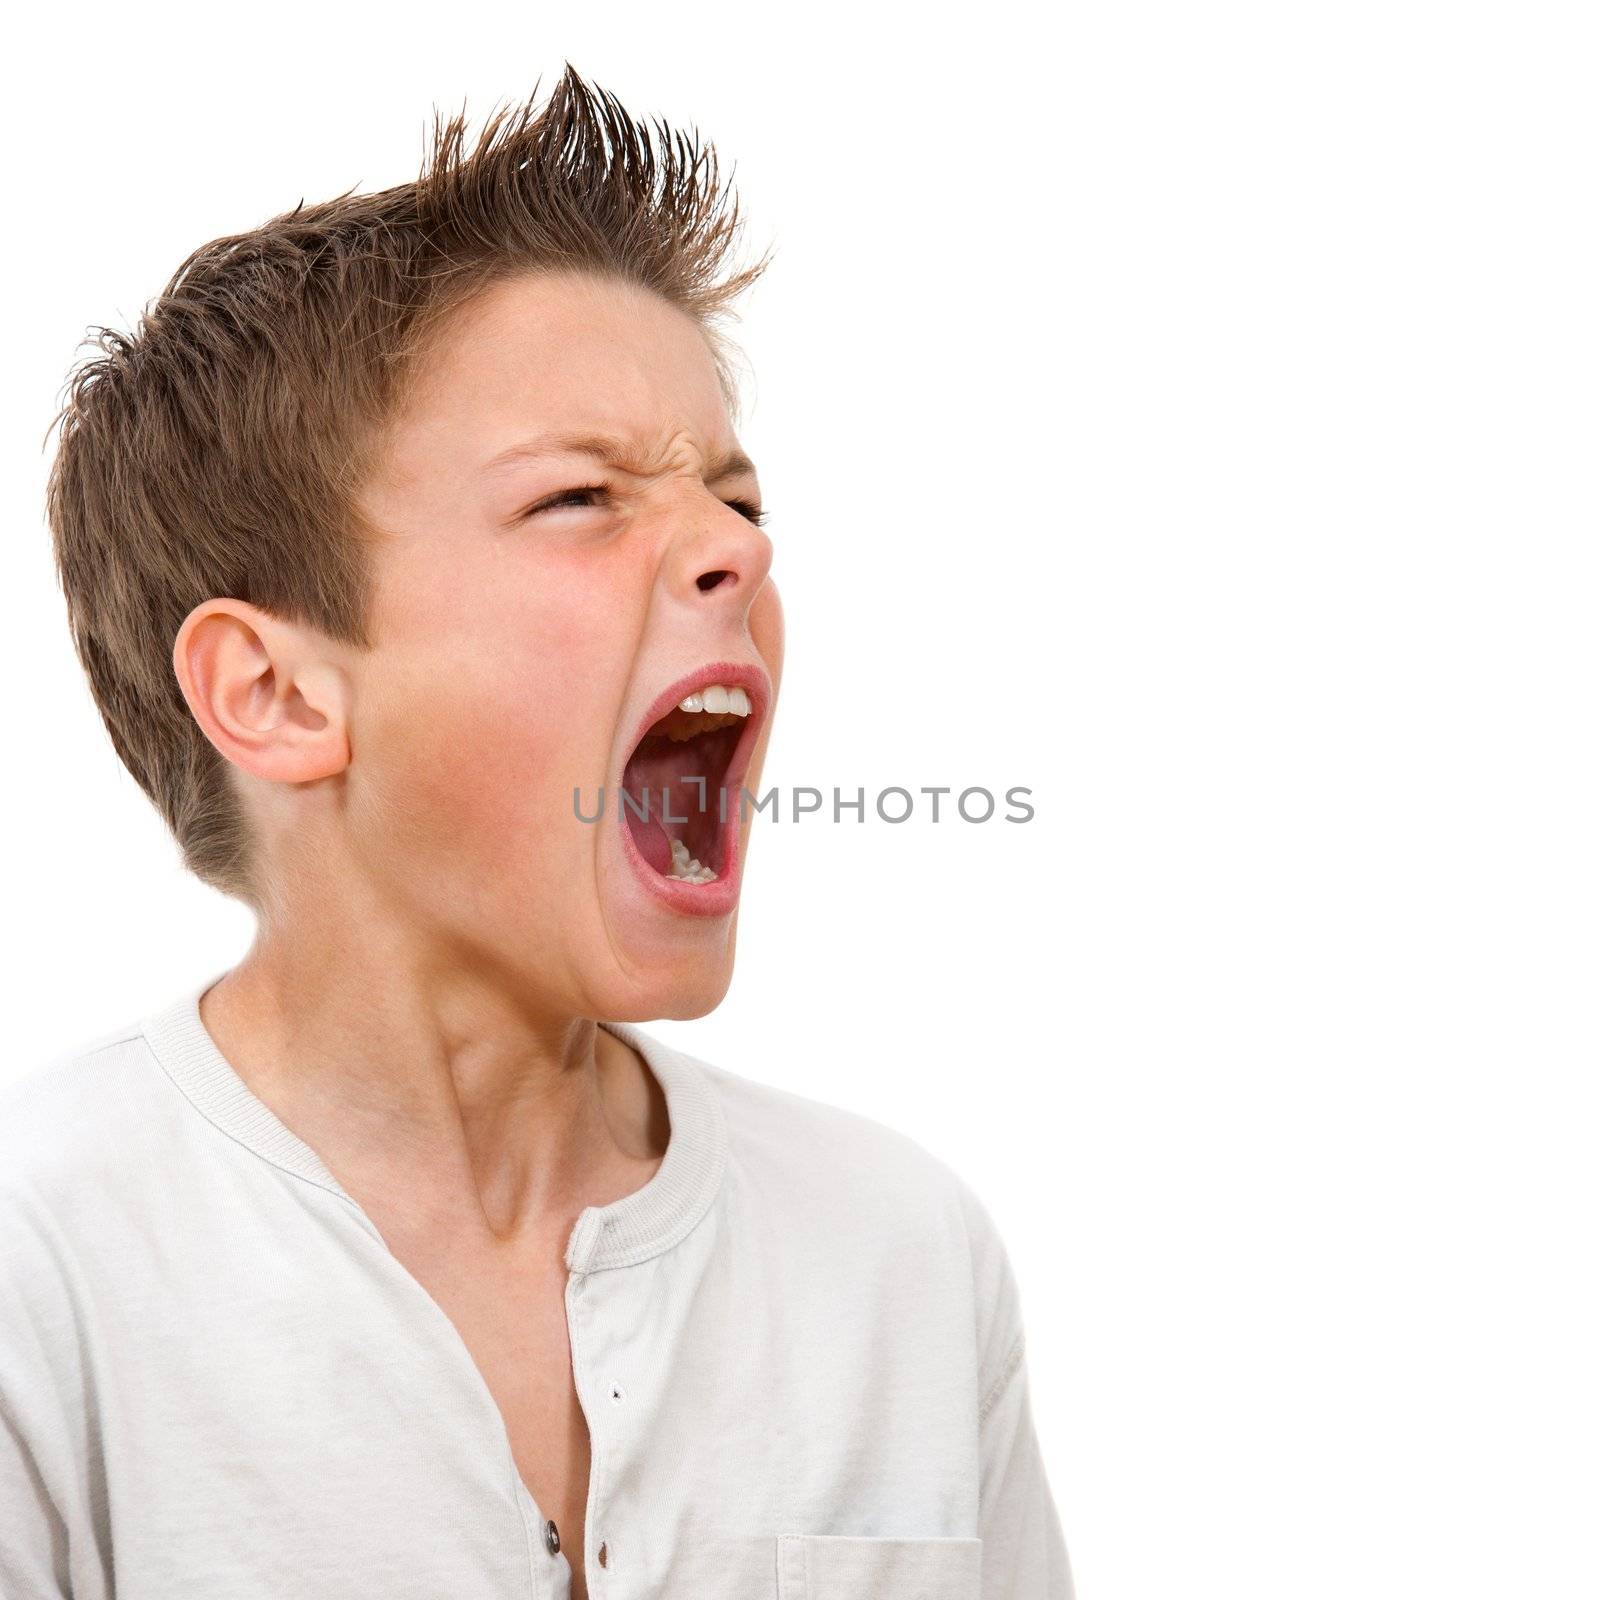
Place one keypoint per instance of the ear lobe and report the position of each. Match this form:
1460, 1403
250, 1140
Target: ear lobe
261, 693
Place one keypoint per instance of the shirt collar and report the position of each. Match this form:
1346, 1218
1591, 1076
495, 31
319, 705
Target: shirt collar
630, 1230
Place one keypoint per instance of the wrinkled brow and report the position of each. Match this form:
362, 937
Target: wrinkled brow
615, 452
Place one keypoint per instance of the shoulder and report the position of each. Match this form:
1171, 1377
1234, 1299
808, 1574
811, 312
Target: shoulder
83, 1137
69, 1129
851, 1179
857, 1185
63, 1117
830, 1154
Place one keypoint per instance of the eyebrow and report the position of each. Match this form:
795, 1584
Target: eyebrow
615, 452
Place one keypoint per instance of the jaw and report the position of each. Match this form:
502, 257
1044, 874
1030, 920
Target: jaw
661, 960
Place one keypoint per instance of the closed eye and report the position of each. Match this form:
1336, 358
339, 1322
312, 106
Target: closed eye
745, 508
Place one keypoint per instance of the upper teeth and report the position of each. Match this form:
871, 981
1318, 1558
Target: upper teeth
717, 697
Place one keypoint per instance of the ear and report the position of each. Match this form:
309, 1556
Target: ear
266, 693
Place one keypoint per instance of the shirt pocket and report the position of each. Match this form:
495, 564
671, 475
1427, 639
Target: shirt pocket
825, 1566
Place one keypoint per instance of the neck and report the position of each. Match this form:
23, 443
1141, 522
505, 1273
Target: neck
436, 1093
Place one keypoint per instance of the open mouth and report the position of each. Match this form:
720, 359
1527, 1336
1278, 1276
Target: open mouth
680, 799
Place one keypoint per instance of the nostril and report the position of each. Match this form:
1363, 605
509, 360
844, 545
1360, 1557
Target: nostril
710, 580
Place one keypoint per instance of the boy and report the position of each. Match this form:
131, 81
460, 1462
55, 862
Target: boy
396, 1260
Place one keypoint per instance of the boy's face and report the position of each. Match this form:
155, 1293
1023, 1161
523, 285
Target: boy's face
534, 606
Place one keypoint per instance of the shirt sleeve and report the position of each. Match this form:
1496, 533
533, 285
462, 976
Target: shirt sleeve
35, 1441
33, 1538
32, 1532
1024, 1547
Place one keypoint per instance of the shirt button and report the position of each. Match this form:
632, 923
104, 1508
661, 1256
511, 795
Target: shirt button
552, 1538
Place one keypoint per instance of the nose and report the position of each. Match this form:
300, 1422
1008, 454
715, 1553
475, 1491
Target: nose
721, 558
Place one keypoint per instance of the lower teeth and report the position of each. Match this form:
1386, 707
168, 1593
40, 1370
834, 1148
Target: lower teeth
685, 868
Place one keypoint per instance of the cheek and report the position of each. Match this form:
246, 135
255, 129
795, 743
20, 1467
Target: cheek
468, 780
767, 629
482, 736
496, 695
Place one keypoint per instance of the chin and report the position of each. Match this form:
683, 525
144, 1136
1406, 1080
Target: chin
675, 991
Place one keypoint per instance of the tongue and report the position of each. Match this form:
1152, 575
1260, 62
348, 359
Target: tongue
652, 839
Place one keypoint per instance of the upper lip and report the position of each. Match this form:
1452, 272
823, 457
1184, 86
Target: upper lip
745, 675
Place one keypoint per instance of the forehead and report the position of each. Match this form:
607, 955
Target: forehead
578, 354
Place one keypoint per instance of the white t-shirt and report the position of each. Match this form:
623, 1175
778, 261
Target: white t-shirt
798, 1348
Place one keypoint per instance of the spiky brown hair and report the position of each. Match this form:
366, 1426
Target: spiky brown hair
218, 449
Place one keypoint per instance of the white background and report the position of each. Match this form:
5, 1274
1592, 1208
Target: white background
1188, 412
